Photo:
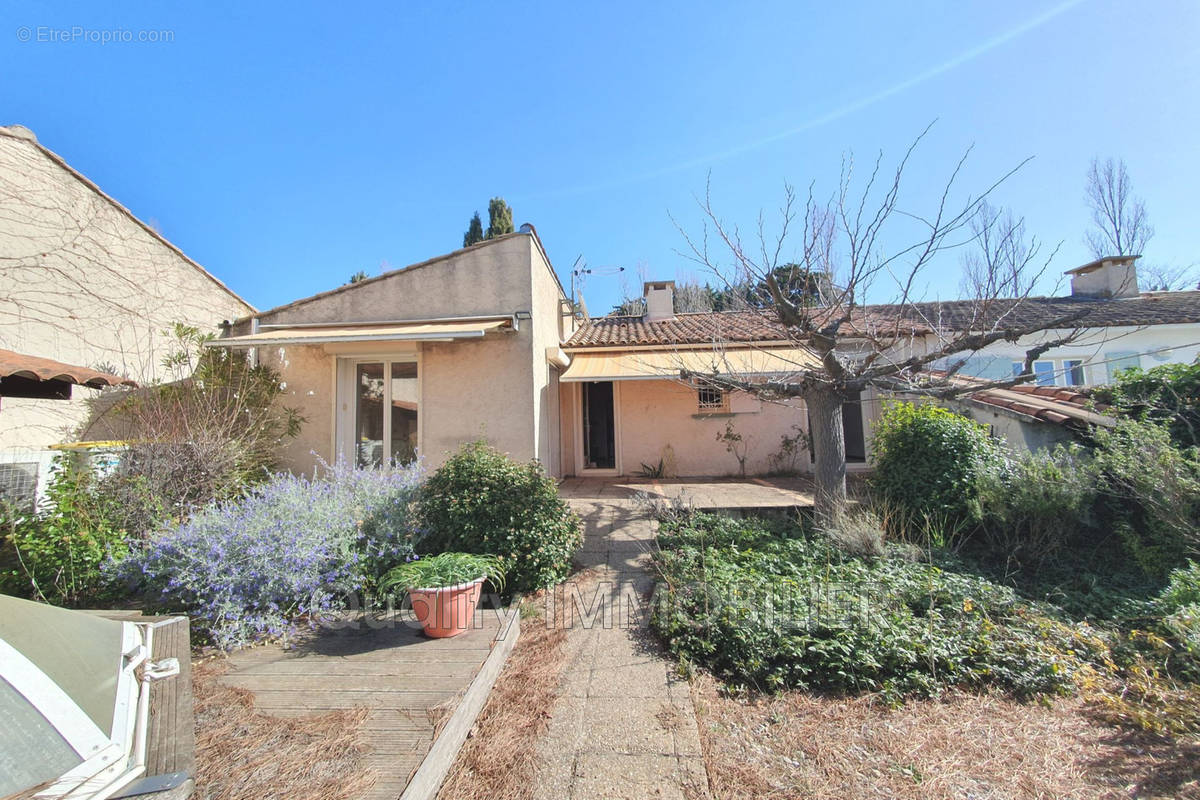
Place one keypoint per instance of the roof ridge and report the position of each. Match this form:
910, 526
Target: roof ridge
390, 273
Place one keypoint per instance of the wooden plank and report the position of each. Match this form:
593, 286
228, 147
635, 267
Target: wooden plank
339, 699
398, 658
358, 683
172, 729
460, 668
437, 762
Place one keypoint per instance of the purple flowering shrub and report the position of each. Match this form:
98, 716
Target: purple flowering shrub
247, 568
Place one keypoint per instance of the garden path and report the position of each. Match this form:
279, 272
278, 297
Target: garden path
624, 725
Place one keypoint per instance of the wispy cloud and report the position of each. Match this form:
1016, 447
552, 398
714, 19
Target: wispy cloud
833, 115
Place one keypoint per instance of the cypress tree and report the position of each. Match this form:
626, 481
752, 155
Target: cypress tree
474, 231
500, 220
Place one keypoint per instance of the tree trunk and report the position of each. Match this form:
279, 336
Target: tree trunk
829, 450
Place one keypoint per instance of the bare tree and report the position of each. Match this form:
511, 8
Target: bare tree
870, 246
1120, 224
692, 296
1166, 278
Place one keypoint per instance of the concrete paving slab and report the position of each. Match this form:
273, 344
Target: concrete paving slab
623, 725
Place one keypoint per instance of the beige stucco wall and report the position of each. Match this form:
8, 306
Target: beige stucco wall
550, 327
499, 387
655, 415
83, 282
306, 375
660, 419
493, 278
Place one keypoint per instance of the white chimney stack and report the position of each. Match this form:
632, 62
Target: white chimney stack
1111, 276
660, 300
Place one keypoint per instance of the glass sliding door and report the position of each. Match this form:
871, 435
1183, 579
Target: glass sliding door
386, 400
368, 418
403, 434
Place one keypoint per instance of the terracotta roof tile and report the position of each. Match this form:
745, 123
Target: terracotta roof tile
1059, 406
1157, 308
45, 369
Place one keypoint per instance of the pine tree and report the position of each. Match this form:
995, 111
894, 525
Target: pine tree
474, 232
500, 219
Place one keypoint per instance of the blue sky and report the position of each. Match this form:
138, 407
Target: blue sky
287, 146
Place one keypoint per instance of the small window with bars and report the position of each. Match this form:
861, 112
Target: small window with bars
710, 398
18, 485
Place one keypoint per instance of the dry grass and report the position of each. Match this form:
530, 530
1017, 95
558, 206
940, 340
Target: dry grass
243, 754
499, 759
963, 746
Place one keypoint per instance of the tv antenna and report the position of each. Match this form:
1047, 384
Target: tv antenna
580, 270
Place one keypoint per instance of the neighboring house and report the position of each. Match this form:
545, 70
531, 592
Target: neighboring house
483, 342
1124, 328
84, 282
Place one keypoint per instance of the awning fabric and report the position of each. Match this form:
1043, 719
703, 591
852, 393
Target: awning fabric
608, 365
406, 331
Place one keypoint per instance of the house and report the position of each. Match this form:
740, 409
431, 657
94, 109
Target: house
82, 281
484, 342
461, 346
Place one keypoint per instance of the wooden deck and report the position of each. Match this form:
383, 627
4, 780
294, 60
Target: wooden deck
407, 681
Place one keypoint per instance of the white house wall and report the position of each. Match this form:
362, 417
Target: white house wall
84, 282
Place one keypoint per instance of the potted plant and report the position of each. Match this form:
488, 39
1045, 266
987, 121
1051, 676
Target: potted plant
445, 589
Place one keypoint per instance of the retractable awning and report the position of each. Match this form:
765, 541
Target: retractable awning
389, 332
609, 365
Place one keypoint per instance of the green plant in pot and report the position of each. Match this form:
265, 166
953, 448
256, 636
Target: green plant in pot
445, 588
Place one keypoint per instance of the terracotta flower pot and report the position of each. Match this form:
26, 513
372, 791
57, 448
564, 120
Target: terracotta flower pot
446, 611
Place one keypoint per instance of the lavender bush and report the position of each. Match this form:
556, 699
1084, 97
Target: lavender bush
247, 568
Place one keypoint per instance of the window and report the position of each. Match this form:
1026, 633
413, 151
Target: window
710, 398
18, 484
988, 367
385, 412
1120, 361
1043, 371
1073, 372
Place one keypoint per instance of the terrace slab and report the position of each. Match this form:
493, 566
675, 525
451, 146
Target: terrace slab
409, 683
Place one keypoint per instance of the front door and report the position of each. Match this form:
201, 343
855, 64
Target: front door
599, 430
852, 429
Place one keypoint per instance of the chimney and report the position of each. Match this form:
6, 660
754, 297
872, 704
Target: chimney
660, 300
1108, 277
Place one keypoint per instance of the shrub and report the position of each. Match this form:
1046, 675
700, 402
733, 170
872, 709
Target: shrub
209, 433
481, 501
56, 554
1178, 608
1149, 494
247, 567
1168, 394
762, 605
931, 461
1035, 505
